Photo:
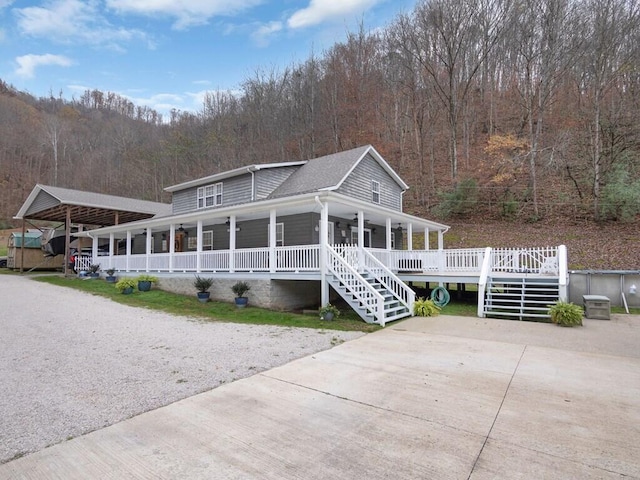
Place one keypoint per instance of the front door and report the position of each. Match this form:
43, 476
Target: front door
367, 237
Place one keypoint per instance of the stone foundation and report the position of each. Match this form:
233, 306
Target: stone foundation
283, 295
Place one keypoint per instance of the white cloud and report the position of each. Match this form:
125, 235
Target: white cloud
262, 35
69, 21
5, 3
27, 64
186, 12
319, 11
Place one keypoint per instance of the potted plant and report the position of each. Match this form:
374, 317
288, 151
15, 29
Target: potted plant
203, 284
145, 281
566, 314
240, 288
110, 278
329, 312
126, 285
94, 271
425, 308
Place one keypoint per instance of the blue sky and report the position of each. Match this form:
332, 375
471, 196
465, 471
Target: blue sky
167, 53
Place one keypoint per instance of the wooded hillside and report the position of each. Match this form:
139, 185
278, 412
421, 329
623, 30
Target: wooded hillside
517, 111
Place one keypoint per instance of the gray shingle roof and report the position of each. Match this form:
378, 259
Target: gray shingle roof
320, 173
100, 200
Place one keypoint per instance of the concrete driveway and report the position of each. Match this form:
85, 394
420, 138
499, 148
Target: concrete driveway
449, 397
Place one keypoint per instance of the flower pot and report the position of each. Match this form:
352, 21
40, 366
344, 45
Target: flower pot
127, 291
110, 278
144, 286
203, 296
328, 316
241, 302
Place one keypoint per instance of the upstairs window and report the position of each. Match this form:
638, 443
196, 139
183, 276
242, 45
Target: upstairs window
210, 196
375, 191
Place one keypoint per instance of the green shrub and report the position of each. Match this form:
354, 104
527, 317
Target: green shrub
425, 308
125, 283
566, 314
147, 278
620, 198
461, 200
240, 289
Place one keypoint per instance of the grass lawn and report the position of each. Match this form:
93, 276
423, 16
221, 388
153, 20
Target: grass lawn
212, 311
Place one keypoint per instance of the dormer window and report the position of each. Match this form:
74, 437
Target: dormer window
210, 196
375, 191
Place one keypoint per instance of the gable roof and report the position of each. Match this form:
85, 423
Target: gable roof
330, 171
50, 203
217, 177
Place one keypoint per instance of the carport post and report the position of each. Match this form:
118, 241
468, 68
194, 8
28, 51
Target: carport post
24, 231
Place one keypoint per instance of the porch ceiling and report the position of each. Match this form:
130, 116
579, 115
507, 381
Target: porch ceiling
88, 215
339, 206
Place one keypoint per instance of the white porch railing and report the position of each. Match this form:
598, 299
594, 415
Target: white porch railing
467, 260
541, 260
306, 258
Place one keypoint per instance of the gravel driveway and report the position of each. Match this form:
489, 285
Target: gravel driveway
71, 362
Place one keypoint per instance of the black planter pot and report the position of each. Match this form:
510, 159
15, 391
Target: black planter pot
144, 286
110, 278
241, 302
127, 291
203, 296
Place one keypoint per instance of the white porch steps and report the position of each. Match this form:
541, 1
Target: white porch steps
520, 297
393, 308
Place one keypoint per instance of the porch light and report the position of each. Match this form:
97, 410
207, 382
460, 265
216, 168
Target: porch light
632, 289
337, 224
181, 229
400, 227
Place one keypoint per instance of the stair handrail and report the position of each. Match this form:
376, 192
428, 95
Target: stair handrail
397, 287
376, 307
485, 270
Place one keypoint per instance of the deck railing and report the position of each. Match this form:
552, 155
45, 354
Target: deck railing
306, 258
541, 260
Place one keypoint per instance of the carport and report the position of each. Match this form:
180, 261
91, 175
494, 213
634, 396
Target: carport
75, 207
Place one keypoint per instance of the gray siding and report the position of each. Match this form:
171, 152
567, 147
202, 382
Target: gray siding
358, 184
42, 201
235, 190
271, 178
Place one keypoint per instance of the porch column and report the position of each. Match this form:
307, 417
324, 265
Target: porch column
426, 238
360, 239
409, 236
440, 240
324, 285
232, 243
94, 250
388, 230
172, 245
111, 238
147, 248
128, 249
272, 240
199, 247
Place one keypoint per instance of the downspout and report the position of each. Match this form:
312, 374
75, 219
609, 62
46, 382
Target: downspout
253, 184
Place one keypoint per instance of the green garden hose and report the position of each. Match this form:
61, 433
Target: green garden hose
440, 296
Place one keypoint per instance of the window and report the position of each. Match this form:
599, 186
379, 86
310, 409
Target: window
207, 240
375, 191
210, 196
279, 234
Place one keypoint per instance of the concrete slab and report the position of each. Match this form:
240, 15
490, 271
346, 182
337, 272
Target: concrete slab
582, 407
410, 402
